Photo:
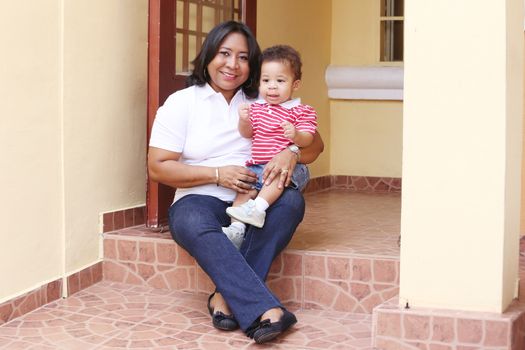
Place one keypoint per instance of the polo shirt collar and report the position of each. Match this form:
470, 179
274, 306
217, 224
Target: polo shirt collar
288, 104
206, 91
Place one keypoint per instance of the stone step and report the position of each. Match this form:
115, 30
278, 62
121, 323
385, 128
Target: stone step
343, 257
397, 327
306, 279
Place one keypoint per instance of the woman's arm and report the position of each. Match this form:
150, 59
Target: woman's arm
283, 163
309, 154
164, 167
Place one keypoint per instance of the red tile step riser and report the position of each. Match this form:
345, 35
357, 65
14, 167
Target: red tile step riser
313, 280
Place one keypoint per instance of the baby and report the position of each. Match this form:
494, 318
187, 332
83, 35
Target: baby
274, 122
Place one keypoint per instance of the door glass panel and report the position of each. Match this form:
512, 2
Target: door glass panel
194, 19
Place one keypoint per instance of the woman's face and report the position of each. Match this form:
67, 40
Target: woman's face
230, 68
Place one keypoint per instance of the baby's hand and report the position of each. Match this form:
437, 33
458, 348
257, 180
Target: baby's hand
289, 130
244, 112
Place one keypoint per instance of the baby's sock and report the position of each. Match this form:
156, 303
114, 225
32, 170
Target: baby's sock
240, 226
261, 204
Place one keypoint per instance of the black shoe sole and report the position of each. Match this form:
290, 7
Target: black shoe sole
225, 324
267, 337
272, 331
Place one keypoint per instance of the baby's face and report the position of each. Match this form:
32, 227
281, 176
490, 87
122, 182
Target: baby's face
277, 82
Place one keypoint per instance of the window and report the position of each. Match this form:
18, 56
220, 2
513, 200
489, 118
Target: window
195, 18
391, 22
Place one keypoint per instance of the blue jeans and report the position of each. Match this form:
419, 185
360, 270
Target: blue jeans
196, 223
300, 176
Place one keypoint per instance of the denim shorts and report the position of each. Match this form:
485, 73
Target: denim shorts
300, 176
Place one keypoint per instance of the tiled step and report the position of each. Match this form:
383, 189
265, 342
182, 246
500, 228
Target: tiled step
123, 316
314, 280
344, 256
396, 327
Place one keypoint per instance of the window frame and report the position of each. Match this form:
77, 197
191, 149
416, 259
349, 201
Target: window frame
390, 47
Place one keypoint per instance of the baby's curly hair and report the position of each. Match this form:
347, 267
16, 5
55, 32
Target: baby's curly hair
285, 54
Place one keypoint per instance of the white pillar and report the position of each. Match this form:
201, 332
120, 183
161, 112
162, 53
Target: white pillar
461, 153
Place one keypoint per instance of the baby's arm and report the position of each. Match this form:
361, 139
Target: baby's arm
245, 126
300, 138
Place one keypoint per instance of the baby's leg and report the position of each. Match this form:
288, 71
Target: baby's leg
242, 198
253, 212
235, 232
271, 192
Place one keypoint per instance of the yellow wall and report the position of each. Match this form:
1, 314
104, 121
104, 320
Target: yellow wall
105, 67
514, 55
73, 89
305, 25
522, 230
366, 136
72, 131
30, 138
461, 158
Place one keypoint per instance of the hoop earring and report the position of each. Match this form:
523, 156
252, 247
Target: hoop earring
250, 84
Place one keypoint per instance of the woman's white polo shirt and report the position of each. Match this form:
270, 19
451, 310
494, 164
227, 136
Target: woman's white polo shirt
198, 123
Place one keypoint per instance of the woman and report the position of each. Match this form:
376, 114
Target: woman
195, 147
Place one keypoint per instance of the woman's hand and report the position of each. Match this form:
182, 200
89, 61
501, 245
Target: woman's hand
237, 178
165, 167
281, 165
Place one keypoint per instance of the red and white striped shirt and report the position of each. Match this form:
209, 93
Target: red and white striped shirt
268, 136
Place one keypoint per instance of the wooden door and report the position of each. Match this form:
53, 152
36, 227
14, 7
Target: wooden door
176, 31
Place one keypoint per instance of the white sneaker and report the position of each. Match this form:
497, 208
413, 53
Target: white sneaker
248, 214
235, 235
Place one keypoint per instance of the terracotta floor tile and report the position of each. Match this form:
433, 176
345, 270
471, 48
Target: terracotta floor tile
347, 241
122, 316
337, 220
349, 222
118, 316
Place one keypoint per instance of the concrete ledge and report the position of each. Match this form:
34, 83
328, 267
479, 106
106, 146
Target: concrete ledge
365, 83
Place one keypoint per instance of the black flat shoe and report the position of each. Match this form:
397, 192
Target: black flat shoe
266, 330
220, 320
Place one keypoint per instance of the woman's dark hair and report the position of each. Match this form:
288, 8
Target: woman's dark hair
210, 47
285, 54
